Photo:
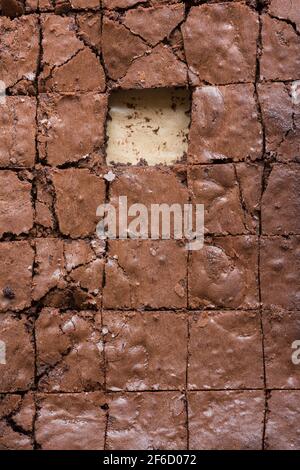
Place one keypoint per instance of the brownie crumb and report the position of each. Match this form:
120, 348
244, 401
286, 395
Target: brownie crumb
8, 293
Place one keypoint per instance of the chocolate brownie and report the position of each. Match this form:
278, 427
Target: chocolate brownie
279, 271
16, 260
156, 23
281, 201
225, 350
150, 421
231, 420
282, 429
17, 149
148, 185
281, 333
16, 212
72, 66
68, 274
78, 194
280, 58
289, 11
146, 274
225, 125
71, 127
231, 196
280, 106
220, 42
145, 351
155, 344
71, 421
17, 358
16, 422
69, 351
224, 274
19, 65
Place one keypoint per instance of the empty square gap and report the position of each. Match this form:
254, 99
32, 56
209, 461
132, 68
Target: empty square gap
149, 126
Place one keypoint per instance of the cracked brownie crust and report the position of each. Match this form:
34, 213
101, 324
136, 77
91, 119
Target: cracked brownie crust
141, 344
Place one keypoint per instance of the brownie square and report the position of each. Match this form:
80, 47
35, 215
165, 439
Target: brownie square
147, 421
16, 422
279, 272
225, 125
220, 43
281, 331
282, 426
71, 421
230, 194
16, 214
280, 58
281, 201
68, 274
231, 420
71, 127
280, 105
145, 274
19, 64
145, 351
69, 351
224, 273
225, 351
17, 148
17, 358
154, 24
79, 192
68, 65
134, 63
150, 185
16, 261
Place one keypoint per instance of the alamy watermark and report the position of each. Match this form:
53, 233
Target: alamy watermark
296, 353
2, 353
160, 221
295, 90
2, 92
